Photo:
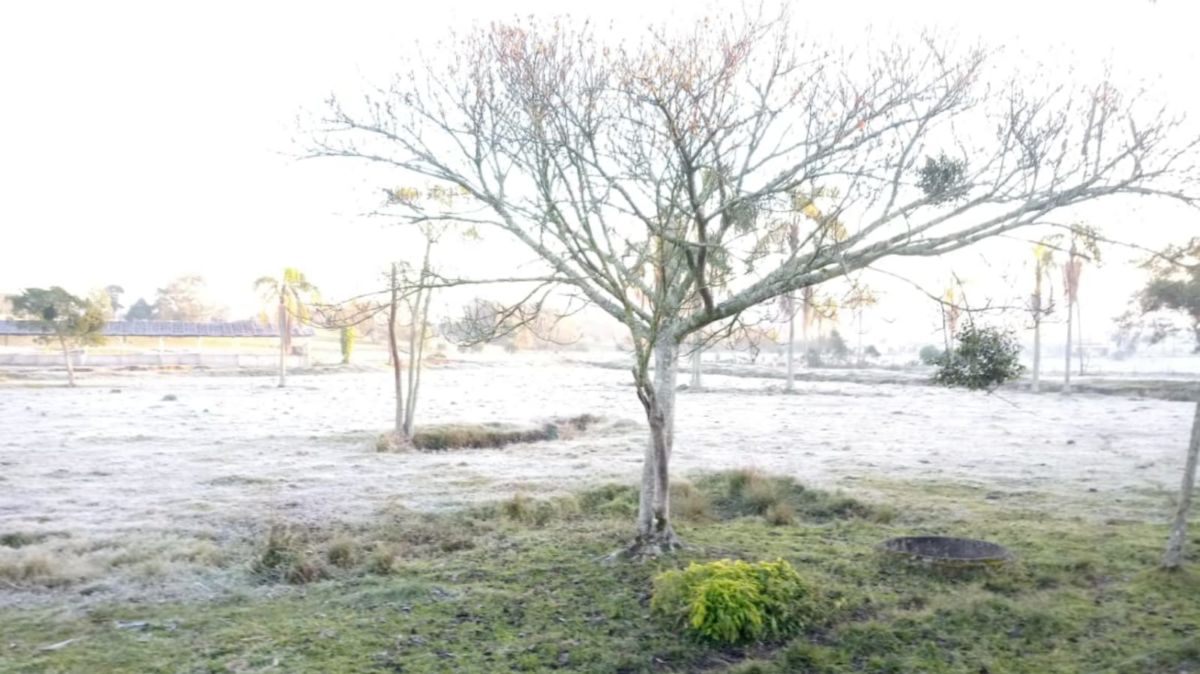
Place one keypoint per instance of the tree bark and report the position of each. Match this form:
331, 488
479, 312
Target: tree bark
862, 359
1067, 369
1037, 355
791, 351
415, 368
67, 358
416, 338
283, 341
394, 351
1036, 386
655, 534
697, 375
1173, 559
1079, 336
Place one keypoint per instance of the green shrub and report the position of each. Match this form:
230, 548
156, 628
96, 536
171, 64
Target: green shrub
929, 354
983, 359
346, 340
735, 602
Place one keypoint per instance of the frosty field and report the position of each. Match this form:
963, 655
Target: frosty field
189, 522
135, 493
139, 493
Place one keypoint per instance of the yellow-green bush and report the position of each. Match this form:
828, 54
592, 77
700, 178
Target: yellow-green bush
732, 601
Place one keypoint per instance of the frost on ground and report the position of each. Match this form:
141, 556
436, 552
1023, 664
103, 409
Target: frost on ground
113, 487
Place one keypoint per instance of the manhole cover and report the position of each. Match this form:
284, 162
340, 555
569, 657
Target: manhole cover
947, 550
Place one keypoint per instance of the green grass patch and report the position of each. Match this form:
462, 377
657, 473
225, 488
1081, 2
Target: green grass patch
523, 586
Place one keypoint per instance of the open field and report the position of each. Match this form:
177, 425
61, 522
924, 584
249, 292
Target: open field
113, 460
115, 500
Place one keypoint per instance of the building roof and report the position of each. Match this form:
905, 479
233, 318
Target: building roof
167, 329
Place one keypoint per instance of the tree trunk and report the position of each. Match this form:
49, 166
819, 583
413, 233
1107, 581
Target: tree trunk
1173, 559
1067, 369
394, 352
416, 338
697, 375
805, 320
655, 534
415, 368
67, 358
1037, 355
283, 341
862, 360
1079, 336
791, 352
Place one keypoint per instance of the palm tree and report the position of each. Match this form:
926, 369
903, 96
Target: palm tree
1041, 302
293, 293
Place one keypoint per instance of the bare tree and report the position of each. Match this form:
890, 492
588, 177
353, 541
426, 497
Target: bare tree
647, 176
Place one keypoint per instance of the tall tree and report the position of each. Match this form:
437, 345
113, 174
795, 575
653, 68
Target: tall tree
291, 293
1084, 247
644, 175
1041, 304
1175, 284
114, 293
1072, 268
141, 310
803, 206
861, 297
183, 299
64, 318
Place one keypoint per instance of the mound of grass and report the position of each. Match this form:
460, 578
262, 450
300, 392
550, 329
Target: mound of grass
494, 435
286, 557
502, 589
19, 539
747, 492
610, 500
477, 436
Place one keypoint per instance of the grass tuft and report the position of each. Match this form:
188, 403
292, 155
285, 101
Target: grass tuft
690, 503
780, 514
19, 539
342, 552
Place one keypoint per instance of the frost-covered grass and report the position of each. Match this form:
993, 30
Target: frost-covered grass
522, 585
124, 496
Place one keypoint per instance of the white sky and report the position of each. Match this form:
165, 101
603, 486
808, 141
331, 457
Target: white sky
142, 141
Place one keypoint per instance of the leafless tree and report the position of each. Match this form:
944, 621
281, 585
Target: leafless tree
648, 175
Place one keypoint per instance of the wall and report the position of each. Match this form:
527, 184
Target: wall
166, 358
